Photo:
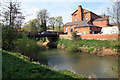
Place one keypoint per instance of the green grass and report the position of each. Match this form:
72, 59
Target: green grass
91, 49
15, 65
89, 43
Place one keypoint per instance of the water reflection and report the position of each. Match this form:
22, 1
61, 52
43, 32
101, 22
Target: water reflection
80, 63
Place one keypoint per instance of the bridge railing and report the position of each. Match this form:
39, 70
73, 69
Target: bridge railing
38, 34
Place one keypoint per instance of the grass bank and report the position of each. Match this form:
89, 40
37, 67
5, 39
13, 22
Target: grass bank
87, 45
15, 65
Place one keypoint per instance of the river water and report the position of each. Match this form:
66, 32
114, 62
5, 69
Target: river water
79, 63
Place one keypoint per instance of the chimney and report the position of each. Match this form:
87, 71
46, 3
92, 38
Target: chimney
80, 13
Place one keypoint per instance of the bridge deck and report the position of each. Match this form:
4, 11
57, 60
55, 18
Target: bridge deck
43, 35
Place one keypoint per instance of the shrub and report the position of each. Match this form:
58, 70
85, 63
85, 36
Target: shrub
41, 40
26, 46
9, 35
79, 38
72, 47
74, 36
91, 49
115, 43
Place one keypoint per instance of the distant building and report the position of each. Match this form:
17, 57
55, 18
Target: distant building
86, 22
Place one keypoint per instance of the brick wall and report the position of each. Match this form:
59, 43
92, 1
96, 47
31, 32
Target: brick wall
93, 36
75, 16
99, 36
65, 36
85, 11
78, 15
83, 29
69, 29
81, 14
102, 23
86, 16
94, 16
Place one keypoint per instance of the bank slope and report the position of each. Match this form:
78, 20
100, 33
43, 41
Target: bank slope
104, 47
15, 65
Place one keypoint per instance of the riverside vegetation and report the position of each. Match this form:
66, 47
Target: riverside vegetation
100, 47
26, 48
18, 51
18, 59
89, 46
16, 65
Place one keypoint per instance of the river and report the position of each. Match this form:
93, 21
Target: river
79, 63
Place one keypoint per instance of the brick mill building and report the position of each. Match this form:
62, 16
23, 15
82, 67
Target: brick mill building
86, 22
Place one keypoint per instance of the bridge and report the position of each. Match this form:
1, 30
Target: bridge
38, 35
49, 39
50, 36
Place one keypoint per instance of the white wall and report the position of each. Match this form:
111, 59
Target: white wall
110, 30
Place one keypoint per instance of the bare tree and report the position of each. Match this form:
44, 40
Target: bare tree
52, 21
11, 14
114, 13
43, 19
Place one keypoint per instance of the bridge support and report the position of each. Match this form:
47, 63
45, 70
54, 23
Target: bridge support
47, 40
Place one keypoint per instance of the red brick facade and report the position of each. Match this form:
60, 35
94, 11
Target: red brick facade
100, 36
82, 14
89, 23
85, 30
102, 23
94, 36
94, 22
69, 28
88, 29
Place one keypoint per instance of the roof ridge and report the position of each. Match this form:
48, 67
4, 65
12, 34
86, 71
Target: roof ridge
77, 23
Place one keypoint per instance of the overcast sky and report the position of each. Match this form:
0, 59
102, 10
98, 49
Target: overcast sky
62, 8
